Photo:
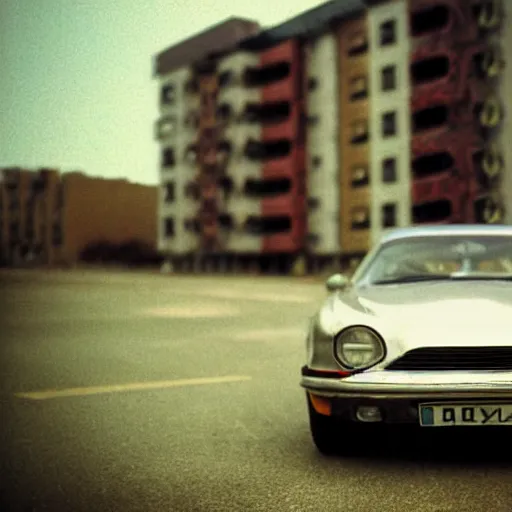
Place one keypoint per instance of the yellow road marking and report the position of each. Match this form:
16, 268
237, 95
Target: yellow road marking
135, 386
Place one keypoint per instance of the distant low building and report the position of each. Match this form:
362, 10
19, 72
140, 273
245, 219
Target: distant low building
49, 218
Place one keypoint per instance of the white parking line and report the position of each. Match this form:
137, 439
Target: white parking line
134, 386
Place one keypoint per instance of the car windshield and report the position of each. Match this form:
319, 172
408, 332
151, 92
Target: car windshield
442, 258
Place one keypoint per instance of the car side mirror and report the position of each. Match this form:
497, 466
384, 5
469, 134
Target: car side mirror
337, 282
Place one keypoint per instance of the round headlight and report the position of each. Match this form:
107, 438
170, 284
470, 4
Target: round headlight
358, 347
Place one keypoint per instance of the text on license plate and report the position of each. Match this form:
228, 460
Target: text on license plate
452, 415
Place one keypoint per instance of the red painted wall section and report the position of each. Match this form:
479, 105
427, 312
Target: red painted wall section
453, 71
454, 158
291, 204
443, 73
456, 20
288, 88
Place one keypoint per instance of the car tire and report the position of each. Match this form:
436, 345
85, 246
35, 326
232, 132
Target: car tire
328, 433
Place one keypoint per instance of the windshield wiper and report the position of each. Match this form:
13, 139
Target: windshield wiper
480, 276
455, 276
415, 279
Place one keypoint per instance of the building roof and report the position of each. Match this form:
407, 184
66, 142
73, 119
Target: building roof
245, 34
308, 23
219, 38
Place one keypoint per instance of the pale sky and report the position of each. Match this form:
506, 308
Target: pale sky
76, 86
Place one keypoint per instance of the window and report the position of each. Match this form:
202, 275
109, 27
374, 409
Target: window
358, 88
387, 33
388, 78
169, 227
360, 176
191, 153
313, 120
389, 215
168, 158
316, 162
192, 86
226, 78
192, 225
39, 183
57, 235
192, 190
224, 112
313, 238
389, 170
226, 221
169, 192
11, 184
360, 218
168, 95
389, 124
359, 132
357, 44
313, 203
166, 126
312, 83
225, 146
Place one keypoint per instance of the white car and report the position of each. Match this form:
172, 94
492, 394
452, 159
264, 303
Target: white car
421, 334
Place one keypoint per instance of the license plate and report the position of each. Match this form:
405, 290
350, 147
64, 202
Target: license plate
471, 415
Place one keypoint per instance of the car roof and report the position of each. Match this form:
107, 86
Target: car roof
447, 230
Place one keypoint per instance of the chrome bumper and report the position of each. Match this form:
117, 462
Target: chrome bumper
394, 384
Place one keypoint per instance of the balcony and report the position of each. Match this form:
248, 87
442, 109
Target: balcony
456, 20
267, 150
268, 225
441, 211
267, 188
266, 75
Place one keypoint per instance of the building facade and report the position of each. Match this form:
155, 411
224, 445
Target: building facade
50, 218
351, 119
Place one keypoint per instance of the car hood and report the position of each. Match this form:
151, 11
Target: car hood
443, 313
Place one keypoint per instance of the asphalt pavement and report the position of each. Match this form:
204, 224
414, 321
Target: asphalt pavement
145, 392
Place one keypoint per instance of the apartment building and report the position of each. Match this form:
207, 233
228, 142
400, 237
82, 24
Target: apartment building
49, 218
316, 136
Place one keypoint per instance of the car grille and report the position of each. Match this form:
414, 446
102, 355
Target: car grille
455, 358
